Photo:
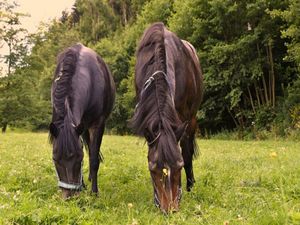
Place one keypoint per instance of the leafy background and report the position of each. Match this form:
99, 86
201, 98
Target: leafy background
249, 52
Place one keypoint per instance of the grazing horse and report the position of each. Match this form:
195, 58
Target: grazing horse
169, 84
82, 94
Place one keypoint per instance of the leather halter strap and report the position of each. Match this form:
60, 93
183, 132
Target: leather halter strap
151, 79
149, 82
71, 186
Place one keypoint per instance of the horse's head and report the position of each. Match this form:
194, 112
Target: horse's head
67, 158
165, 163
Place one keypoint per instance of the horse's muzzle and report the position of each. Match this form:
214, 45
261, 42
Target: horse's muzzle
173, 205
67, 193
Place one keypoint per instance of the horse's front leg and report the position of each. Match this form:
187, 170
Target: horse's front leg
96, 134
188, 151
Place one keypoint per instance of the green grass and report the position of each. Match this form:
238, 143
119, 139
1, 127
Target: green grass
238, 182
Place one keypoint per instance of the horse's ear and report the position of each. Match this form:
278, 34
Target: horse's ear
79, 129
53, 130
180, 130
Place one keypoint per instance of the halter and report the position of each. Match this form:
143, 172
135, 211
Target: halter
71, 186
154, 140
151, 79
59, 75
149, 82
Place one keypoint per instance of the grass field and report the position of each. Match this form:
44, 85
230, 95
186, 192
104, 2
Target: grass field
237, 183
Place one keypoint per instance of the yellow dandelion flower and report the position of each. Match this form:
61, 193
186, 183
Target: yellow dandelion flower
165, 172
273, 154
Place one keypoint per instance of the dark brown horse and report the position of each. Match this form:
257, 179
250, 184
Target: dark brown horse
169, 84
82, 94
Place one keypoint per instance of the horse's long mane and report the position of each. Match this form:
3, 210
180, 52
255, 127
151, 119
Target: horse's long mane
67, 139
155, 113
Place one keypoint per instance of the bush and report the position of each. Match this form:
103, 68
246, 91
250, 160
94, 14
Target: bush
264, 118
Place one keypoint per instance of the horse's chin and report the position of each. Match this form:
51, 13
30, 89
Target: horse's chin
67, 193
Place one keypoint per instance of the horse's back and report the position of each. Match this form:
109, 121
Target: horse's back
197, 75
184, 70
92, 85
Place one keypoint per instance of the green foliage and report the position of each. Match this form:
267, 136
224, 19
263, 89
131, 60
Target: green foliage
236, 182
264, 118
293, 103
291, 31
118, 52
97, 20
12, 36
234, 41
248, 52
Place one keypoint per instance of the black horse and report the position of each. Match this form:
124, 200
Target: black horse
169, 84
82, 95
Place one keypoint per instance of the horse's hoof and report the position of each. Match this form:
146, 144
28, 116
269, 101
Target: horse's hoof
95, 194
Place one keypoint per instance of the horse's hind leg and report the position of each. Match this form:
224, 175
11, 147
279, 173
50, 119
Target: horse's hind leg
188, 150
96, 133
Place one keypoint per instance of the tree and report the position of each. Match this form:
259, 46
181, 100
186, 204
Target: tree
242, 69
119, 52
292, 17
249, 52
12, 35
96, 20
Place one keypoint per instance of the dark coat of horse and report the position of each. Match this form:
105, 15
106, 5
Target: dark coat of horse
169, 86
82, 95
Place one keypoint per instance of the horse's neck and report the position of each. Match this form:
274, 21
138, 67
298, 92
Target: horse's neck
170, 62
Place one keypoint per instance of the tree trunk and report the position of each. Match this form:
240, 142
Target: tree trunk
234, 120
9, 59
124, 12
257, 94
265, 89
272, 74
251, 100
262, 97
4, 126
269, 76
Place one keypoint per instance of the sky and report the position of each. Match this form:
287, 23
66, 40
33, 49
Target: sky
42, 10
39, 11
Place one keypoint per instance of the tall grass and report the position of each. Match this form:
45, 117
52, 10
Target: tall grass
236, 183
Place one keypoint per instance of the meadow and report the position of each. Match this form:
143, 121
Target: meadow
237, 182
